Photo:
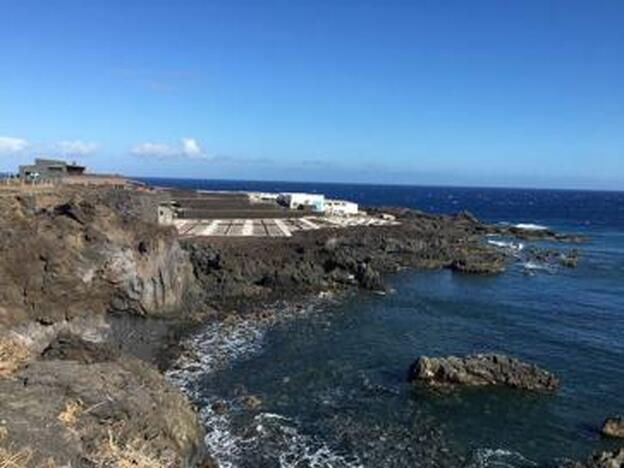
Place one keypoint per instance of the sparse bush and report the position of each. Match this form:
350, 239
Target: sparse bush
13, 353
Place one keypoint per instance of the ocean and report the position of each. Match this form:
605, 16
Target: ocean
333, 379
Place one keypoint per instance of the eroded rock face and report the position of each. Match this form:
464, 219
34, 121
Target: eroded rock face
74, 253
481, 370
613, 427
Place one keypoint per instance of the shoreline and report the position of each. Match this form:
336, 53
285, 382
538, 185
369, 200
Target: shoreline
154, 291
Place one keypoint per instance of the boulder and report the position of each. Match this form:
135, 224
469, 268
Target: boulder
481, 370
613, 427
106, 413
613, 459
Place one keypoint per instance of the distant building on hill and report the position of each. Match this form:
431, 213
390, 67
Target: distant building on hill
57, 171
46, 169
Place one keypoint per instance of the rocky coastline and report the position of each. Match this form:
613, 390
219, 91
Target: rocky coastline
96, 295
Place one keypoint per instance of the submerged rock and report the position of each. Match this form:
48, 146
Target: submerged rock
613, 427
480, 370
613, 459
252, 401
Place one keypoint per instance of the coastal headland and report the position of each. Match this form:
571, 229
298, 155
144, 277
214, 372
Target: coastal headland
99, 283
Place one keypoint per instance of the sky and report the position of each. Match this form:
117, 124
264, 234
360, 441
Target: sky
526, 93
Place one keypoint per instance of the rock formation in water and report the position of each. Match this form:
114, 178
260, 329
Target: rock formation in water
231, 269
613, 427
613, 459
481, 370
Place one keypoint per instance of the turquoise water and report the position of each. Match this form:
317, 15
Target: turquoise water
333, 384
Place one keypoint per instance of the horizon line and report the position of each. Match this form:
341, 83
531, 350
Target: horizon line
385, 184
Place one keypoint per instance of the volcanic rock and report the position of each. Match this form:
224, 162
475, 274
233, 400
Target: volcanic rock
481, 370
613, 427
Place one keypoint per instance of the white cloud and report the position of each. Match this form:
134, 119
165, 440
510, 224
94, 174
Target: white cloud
76, 147
188, 148
10, 145
191, 148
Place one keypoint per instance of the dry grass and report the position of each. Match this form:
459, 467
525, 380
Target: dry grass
69, 416
13, 353
10, 458
135, 454
14, 459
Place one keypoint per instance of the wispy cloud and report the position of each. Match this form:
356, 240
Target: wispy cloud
76, 147
187, 148
11, 145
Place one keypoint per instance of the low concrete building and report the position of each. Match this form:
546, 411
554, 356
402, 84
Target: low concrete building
167, 213
47, 169
341, 207
303, 201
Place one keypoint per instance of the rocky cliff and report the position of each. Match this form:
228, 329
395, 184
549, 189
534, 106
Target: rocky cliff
71, 260
80, 253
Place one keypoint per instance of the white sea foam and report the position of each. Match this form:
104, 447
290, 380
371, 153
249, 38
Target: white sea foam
297, 449
498, 458
535, 266
213, 349
531, 227
508, 245
218, 346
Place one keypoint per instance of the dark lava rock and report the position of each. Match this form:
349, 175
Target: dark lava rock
613, 459
252, 401
69, 347
480, 370
220, 407
479, 264
613, 427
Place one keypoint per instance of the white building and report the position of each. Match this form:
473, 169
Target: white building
166, 212
302, 201
341, 207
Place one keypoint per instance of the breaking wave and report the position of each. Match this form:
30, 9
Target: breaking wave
270, 436
531, 227
507, 245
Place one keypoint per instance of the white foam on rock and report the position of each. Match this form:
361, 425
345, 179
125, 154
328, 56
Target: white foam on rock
507, 245
531, 227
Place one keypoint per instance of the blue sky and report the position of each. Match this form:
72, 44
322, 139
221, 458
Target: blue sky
493, 93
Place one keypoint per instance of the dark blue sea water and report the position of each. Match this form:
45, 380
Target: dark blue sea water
333, 385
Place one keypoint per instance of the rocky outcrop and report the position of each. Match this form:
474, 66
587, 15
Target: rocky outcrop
613, 427
481, 370
614, 459
478, 261
73, 253
231, 269
567, 259
81, 406
76, 265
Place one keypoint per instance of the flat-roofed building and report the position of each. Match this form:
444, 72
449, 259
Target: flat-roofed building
46, 169
341, 207
303, 201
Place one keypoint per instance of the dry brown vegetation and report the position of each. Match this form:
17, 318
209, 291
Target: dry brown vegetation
135, 454
69, 416
10, 458
13, 353
14, 459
